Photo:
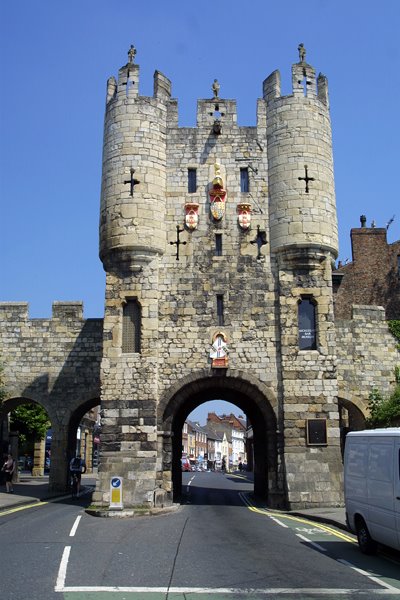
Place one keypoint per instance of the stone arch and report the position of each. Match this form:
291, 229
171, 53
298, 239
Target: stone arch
74, 420
357, 412
254, 398
352, 415
10, 404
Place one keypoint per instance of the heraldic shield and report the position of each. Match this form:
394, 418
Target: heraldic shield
192, 215
217, 195
244, 215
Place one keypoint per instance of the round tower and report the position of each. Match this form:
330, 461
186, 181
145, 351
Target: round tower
300, 164
132, 215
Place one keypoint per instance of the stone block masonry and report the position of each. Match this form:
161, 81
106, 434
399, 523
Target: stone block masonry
55, 363
215, 234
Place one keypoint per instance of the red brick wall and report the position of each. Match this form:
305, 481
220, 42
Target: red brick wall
372, 278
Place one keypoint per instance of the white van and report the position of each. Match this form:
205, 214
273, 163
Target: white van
372, 487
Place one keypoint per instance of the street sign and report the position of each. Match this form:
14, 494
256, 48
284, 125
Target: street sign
116, 492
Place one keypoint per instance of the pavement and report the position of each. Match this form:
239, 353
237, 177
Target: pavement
36, 489
31, 489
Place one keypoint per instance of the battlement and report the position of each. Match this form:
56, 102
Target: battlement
304, 84
127, 86
61, 311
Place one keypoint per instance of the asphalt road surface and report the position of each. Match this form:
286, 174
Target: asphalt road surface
218, 545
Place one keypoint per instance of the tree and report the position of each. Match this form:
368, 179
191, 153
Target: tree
30, 420
385, 412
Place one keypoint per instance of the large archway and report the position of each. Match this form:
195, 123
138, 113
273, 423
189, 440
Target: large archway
254, 399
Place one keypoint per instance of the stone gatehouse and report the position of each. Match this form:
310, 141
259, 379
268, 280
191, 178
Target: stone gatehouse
218, 243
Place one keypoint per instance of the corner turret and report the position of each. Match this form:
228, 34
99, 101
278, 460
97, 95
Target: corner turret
300, 163
132, 217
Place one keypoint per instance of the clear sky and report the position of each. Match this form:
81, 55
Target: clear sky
56, 57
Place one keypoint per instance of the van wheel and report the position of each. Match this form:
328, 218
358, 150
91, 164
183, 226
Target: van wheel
365, 541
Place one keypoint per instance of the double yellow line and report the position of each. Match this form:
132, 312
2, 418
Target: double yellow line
282, 515
18, 508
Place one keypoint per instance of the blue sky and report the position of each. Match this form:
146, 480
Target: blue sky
56, 57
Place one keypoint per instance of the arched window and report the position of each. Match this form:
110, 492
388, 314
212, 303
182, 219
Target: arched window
307, 324
131, 325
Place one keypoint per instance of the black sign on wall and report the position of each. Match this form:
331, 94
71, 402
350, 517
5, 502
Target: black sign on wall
307, 324
316, 432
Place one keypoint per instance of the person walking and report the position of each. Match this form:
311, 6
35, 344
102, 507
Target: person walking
77, 466
8, 469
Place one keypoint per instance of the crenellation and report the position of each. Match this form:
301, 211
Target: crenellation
231, 255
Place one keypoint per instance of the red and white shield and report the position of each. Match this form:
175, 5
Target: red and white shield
244, 215
192, 215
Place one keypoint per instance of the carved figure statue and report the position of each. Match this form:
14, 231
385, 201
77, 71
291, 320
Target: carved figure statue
131, 54
215, 88
302, 53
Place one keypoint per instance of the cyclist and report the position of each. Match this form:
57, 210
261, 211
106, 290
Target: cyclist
77, 466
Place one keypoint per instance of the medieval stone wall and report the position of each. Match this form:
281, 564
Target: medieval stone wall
367, 354
55, 361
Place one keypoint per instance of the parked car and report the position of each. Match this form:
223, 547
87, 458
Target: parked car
372, 487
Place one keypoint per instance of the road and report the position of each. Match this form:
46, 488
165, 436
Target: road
217, 545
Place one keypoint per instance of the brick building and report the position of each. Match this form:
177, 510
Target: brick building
373, 275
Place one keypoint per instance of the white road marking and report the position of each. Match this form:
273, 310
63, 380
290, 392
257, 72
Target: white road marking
295, 592
311, 531
279, 522
317, 546
62, 571
75, 526
371, 577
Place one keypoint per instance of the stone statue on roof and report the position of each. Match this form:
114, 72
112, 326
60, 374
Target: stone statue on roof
215, 88
302, 53
131, 54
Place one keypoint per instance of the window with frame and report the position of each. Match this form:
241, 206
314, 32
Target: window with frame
218, 244
131, 326
220, 309
244, 180
192, 181
307, 320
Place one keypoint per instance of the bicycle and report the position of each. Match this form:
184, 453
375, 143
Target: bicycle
74, 485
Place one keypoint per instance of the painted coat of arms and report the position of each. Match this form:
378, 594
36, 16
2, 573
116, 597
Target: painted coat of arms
217, 195
244, 215
192, 215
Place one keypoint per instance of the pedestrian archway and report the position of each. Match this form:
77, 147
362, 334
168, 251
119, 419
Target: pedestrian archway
24, 423
254, 399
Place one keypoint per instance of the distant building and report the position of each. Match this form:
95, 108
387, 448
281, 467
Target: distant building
234, 428
373, 275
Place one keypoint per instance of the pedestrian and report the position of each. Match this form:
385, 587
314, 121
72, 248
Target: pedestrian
8, 469
77, 466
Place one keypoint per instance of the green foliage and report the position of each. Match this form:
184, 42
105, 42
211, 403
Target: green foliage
384, 412
30, 420
394, 328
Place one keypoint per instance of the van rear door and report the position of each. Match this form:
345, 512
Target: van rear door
397, 487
